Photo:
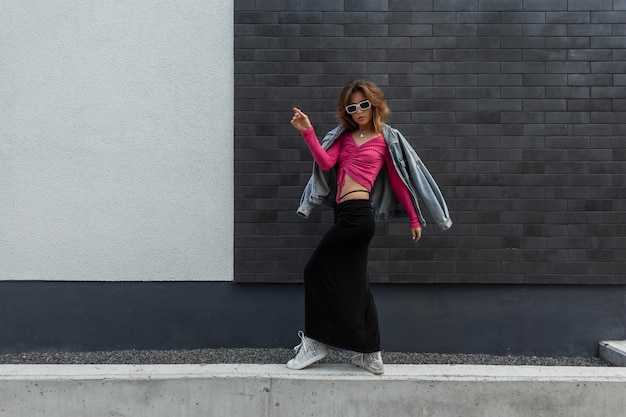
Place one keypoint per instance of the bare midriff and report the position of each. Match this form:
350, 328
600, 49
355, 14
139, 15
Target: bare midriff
352, 190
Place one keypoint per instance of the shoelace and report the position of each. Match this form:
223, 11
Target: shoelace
302, 343
370, 358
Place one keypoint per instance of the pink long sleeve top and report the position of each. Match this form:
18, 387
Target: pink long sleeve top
362, 163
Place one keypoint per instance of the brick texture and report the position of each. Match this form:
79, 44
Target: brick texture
516, 106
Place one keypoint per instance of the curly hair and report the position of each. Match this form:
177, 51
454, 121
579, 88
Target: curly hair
373, 93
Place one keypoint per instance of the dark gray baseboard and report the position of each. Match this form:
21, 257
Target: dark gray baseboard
541, 320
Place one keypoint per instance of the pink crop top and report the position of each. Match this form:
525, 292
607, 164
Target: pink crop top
362, 164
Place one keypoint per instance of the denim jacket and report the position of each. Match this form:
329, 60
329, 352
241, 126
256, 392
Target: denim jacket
322, 186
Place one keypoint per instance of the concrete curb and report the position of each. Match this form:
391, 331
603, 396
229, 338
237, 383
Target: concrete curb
322, 390
614, 352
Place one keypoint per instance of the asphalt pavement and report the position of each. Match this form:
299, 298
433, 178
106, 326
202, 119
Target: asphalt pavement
280, 355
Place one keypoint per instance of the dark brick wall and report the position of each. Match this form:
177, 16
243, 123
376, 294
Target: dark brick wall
518, 108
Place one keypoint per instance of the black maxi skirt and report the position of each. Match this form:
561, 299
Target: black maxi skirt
339, 307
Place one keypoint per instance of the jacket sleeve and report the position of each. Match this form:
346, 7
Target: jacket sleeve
426, 186
305, 207
322, 185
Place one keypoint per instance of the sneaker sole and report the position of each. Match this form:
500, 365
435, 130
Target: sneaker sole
376, 372
307, 363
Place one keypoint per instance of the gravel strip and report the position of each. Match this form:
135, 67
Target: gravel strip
272, 356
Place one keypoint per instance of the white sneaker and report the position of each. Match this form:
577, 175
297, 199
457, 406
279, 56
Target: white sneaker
308, 352
373, 362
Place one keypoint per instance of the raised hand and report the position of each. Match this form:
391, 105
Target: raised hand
300, 120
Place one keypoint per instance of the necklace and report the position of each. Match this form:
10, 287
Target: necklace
362, 133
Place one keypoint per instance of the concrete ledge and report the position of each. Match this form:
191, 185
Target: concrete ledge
614, 352
323, 390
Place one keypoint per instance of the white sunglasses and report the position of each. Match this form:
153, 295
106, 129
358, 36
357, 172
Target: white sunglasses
353, 108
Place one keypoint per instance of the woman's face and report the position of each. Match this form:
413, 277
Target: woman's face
362, 117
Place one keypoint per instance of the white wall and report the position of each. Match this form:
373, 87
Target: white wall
116, 140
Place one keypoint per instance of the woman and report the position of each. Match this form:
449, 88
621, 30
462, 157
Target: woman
339, 307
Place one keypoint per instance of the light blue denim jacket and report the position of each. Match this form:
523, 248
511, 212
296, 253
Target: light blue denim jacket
322, 186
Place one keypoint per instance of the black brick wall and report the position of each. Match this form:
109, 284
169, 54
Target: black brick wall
518, 108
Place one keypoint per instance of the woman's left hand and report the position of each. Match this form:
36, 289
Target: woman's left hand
416, 233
